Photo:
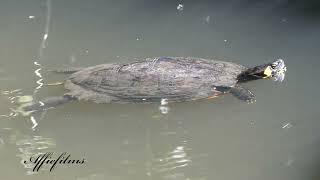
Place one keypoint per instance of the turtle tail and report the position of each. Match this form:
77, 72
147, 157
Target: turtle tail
46, 103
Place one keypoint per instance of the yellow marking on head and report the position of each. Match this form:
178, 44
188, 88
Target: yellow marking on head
267, 72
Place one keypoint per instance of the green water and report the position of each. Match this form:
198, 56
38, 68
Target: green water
275, 138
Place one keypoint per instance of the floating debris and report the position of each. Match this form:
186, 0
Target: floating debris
180, 7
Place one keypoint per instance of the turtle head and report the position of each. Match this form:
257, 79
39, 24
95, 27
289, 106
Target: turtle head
275, 71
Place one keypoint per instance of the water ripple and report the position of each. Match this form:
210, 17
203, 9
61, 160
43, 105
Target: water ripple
33, 146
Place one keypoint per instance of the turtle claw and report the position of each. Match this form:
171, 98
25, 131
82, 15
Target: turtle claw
243, 94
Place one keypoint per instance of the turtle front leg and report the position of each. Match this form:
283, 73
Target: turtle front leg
243, 94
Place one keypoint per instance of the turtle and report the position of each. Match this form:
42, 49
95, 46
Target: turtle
161, 79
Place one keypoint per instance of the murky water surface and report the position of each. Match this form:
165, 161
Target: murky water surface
275, 138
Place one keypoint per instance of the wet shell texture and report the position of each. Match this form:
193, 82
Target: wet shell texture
150, 80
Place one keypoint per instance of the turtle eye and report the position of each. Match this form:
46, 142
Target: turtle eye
274, 65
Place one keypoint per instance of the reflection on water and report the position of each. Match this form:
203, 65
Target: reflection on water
11, 96
33, 146
275, 138
27, 145
170, 154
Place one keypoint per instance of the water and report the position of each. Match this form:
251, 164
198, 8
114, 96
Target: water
275, 138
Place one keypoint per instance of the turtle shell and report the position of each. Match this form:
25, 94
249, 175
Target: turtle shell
172, 78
